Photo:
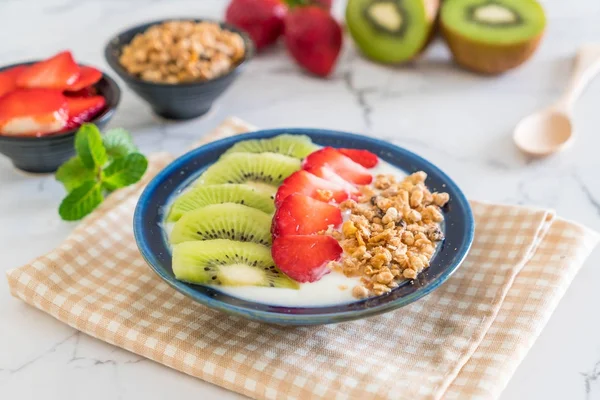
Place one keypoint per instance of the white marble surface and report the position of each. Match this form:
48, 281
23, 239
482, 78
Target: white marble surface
460, 121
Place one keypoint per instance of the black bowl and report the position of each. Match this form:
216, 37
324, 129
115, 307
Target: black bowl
46, 153
182, 100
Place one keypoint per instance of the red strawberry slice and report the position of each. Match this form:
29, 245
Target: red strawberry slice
342, 165
87, 91
303, 215
304, 258
329, 174
306, 183
363, 157
58, 72
32, 111
8, 79
83, 109
87, 77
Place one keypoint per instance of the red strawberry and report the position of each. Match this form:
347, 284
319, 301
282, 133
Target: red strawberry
87, 91
57, 72
83, 109
262, 19
313, 38
302, 215
32, 111
304, 258
329, 174
87, 77
305, 183
342, 165
8, 79
363, 157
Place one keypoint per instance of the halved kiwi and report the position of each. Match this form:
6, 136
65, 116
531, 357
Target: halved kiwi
391, 31
223, 221
204, 195
228, 263
297, 146
260, 170
492, 36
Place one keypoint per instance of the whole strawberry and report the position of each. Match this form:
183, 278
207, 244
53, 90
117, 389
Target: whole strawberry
261, 19
313, 38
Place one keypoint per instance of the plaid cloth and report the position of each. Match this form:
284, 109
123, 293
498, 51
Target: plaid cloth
464, 340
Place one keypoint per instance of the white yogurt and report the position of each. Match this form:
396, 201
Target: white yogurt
333, 288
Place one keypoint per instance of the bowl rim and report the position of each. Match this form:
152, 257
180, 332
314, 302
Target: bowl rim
103, 116
114, 43
144, 204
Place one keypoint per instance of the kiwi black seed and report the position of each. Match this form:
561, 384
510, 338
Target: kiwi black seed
223, 221
228, 263
261, 170
391, 31
492, 36
297, 146
204, 195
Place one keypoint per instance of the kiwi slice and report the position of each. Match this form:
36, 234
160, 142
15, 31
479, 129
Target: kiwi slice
492, 36
391, 31
297, 146
223, 221
265, 171
228, 263
205, 195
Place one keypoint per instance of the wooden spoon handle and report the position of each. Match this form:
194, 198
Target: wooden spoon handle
587, 65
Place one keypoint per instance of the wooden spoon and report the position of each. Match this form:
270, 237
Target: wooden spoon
551, 130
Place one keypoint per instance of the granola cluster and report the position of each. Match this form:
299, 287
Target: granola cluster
182, 51
391, 233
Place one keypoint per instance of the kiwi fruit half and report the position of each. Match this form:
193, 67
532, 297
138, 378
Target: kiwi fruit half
228, 263
223, 221
297, 146
492, 36
391, 31
204, 195
261, 170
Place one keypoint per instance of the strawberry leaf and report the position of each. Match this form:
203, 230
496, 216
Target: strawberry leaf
124, 171
118, 143
89, 146
81, 201
73, 174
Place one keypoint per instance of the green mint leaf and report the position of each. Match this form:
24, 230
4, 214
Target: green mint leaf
118, 143
73, 174
125, 171
81, 201
89, 146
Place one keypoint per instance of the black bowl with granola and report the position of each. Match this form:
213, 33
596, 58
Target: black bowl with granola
179, 66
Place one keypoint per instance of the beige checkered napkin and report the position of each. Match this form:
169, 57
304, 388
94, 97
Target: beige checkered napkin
462, 341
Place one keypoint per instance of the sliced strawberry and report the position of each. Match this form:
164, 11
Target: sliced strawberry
306, 183
87, 77
87, 91
329, 174
363, 157
8, 79
342, 165
83, 109
304, 258
303, 215
32, 111
58, 72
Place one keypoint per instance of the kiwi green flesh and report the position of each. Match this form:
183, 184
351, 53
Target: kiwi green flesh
497, 22
388, 31
297, 146
267, 168
204, 195
228, 263
223, 221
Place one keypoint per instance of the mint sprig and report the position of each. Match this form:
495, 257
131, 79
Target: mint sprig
101, 166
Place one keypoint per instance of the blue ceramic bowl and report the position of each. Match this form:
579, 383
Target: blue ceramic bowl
459, 228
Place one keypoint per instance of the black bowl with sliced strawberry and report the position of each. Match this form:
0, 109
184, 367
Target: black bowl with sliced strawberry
43, 103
